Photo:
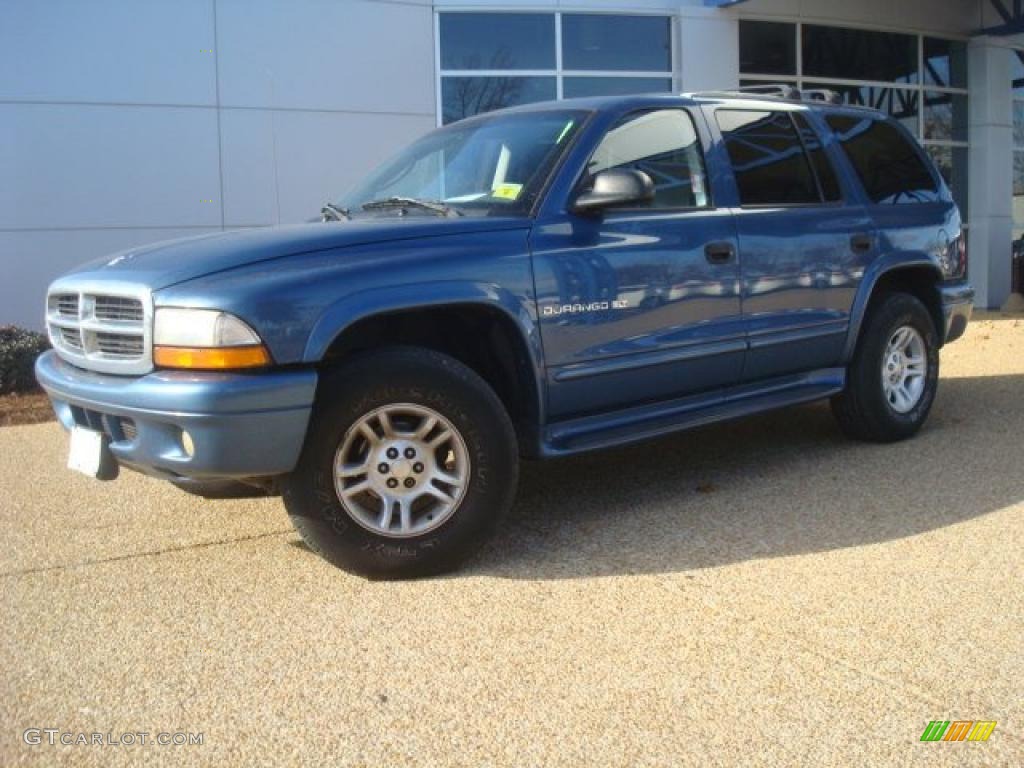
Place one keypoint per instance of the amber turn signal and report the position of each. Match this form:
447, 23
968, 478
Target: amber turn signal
212, 358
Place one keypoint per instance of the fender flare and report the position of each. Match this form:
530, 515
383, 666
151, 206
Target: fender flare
351, 309
879, 268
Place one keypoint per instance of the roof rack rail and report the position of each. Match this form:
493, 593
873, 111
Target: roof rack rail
781, 91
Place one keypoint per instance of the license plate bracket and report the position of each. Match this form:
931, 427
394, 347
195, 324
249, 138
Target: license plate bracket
89, 453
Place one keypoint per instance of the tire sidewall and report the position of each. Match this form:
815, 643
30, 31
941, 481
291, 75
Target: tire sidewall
403, 376
896, 312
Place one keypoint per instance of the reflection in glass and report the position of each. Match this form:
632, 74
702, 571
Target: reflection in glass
573, 87
1018, 74
663, 144
466, 96
945, 116
767, 48
901, 103
497, 41
945, 62
1018, 188
858, 54
623, 43
888, 164
1018, 124
768, 160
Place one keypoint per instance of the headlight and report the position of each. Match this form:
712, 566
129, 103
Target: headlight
205, 339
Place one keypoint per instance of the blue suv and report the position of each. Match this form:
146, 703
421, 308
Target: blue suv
529, 283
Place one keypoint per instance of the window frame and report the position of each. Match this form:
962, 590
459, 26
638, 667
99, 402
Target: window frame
821, 203
559, 73
703, 146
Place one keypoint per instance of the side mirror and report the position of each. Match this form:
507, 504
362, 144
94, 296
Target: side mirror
615, 187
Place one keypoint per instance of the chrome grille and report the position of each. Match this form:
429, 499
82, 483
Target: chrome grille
64, 304
118, 309
100, 325
71, 337
119, 345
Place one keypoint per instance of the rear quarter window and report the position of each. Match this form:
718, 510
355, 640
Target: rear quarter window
890, 167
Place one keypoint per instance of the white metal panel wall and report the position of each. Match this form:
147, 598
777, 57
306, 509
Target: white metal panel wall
122, 122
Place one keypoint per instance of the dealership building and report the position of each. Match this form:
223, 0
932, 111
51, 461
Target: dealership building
123, 123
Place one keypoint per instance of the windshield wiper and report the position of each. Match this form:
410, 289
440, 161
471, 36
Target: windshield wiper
434, 206
336, 212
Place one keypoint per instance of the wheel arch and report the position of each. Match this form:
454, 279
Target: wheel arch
483, 326
916, 274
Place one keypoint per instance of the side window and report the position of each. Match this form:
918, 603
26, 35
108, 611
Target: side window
819, 159
888, 164
767, 158
664, 145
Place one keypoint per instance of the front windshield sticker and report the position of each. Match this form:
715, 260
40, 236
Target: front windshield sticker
565, 131
507, 191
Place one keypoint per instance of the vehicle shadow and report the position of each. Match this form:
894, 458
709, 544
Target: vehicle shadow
779, 484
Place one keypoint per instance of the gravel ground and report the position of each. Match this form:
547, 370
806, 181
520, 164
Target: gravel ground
762, 592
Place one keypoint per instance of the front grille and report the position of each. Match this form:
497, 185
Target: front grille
71, 338
119, 309
119, 345
64, 304
102, 327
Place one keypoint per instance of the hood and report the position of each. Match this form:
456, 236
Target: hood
170, 262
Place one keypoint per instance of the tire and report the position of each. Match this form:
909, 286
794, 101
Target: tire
871, 407
424, 534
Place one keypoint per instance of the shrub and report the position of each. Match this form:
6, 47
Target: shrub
19, 349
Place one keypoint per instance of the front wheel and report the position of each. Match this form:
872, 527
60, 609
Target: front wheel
892, 380
409, 463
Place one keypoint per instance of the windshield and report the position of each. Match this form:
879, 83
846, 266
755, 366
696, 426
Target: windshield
483, 165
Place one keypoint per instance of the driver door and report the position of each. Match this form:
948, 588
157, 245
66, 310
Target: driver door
641, 303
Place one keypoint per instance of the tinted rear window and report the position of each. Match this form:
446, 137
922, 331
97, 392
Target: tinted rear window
767, 158
888, 164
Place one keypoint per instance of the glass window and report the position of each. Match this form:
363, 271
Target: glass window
573, 87
767, 48
819, 159
490, 164
900, 103
1018, 187
888, 164
945, 116
945, 63
1018, 74
466, 96
604, 42
497, 41
952, 165
664, 145
858, 54
767, 158
1018, 124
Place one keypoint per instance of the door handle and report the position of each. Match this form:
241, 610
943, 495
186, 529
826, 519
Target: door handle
719, 253
861, 243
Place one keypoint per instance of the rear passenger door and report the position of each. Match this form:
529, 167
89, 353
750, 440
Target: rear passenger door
803, 245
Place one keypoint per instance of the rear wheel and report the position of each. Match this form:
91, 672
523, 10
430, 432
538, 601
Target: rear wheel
893, 378
409, 464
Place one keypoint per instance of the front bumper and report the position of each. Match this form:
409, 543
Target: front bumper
957, 305
241, 424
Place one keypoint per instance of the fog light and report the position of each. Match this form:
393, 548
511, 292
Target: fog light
187, 445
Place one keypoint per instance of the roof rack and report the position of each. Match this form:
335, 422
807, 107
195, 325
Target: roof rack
781, 91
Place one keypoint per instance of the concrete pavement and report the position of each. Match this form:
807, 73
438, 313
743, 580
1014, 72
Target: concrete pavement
758, 593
